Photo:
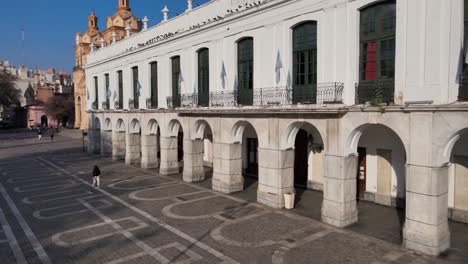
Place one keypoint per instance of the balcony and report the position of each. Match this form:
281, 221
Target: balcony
324, 93
375, 92
105, 105
151, 103
117, 105
94, 106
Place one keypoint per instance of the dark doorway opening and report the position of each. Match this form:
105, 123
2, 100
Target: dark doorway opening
361, 173
252, 158
44, 121
301, 159
180, 146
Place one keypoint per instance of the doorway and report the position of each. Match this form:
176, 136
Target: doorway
361, 173
252, 157
301, 159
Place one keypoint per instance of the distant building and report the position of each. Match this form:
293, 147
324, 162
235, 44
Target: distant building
118, 25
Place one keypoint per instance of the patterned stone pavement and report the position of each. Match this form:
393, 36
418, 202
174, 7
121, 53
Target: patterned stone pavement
50, 214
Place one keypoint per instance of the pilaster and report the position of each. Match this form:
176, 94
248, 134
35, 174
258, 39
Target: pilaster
149, 151
193, 161
169, 160
227, 168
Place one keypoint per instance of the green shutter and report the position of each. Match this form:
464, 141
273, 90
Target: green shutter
175, 81
203, 77
154, 85
305, 62
120, 79
135, 88
245, 71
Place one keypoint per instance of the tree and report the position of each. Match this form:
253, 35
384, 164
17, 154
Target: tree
9, 94
60, 108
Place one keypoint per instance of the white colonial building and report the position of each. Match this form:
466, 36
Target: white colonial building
360, 99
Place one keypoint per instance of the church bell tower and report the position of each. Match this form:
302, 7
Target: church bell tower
124, 5
92, 21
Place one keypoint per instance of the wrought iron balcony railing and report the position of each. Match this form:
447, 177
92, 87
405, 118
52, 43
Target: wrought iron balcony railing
94, 106
151, 103
105, 105
375, 92
117, 105
131, 104
463, 90
324, 93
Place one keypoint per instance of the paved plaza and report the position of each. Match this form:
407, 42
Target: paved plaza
49, 213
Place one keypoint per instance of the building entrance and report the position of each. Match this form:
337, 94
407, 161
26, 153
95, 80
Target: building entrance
301, 159
361, 173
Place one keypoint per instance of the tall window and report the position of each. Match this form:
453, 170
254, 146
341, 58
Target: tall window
96, 93
245, 71
203, 77
176, 81
154, 84
305, 62
463, 89
120, 83
106, 76
136, 88
377, 55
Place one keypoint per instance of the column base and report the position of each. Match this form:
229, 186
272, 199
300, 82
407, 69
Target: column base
274, 200
427, 239
339, 214
235, 183
194, 174
169, 171
149, 165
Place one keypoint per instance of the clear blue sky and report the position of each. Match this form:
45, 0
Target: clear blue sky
50, 26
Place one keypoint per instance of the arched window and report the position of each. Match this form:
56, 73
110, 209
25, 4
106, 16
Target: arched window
377, 53
120, 84
154, 84
96, 93
463, 90
136, 88
203, 77
305, 62
176, 81
106, 77
245, 71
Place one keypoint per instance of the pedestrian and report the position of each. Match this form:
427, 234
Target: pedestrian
39, 134
96, 173
52, 136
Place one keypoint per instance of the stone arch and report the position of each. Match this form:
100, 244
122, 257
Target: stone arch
96, 123
352, 140
200, 129
135, 127
449, 144
238, 129
120, 125
107, 124
288, 137
152, 128
174, 127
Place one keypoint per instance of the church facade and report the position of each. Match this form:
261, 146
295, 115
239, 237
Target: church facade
116, 30
359, 100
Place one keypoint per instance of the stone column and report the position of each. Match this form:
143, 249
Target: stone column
106, 143
193, 160
118, 145
227, 168
94, 141
149, 151
275, 176
169, 162
426, 227
339, 206
132, 148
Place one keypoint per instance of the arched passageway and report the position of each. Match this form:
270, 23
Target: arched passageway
44, 121
380, 183
249, 155
106, 138
172, 149
306, 144
150, 146
118, 140
198, 158
96, 134
133, 143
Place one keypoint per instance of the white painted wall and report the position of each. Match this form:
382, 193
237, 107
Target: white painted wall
429, 40
380, 137
460, 149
